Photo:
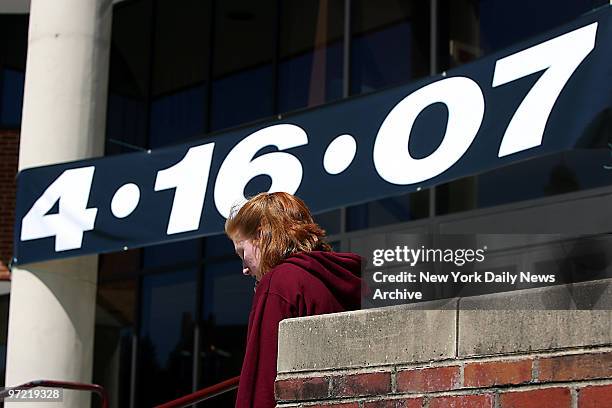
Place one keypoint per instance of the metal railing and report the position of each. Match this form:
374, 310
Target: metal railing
190, 399
66, 385
202, 394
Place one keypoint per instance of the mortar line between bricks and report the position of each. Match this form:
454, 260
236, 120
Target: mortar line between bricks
541, 385
577, 385
446, 362
457, 328
319, 402
577, 351
574, 395
535, 370
496, 400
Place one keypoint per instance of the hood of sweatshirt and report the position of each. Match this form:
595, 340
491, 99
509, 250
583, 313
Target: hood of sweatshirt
339, 271
300, 285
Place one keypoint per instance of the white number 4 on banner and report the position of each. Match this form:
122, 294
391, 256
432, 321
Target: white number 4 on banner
71, 188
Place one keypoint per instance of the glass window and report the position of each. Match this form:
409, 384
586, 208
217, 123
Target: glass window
4, 317
311, 53
216, 246
126, 120
390, 43
226, 301
180, 65
165, 355
11, 84
329, 221
547, 176
477, 28
119, 264
456, 195
181, 44
13, 50
130, 59
227, 297
177, 116
531, 179
172, 253
227, 293
115, 313
587, 166
242, 64
387, 211
242, 97
14, 40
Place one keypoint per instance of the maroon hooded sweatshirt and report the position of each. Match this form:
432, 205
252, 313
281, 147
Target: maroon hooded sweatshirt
304, 284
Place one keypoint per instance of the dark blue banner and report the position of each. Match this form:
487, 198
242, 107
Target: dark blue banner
539, 97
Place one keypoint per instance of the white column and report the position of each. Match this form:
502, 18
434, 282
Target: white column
52, 309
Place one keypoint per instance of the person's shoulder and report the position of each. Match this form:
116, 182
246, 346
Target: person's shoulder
284, 282
287, 275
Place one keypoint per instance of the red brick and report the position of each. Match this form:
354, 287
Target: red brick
540, 398
595, 397
361, 384
300, 389
576, 367
462, 401
428, 379
9, 144
395, 403
336, 405
5, 274
496, 373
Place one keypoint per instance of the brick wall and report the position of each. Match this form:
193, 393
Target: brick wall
9, 156
504, 350
573, 378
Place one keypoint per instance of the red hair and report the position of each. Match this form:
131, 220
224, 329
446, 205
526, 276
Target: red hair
280, 225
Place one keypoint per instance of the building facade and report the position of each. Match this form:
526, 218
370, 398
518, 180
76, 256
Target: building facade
171, 318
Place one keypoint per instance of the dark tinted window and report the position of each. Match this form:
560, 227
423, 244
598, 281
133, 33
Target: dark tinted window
4, 315
242, 64
13, 51
180, 66
390, 43
115, 324
129, 77
226, 302
470, 29
11, 84
166, 336
329, 221
547, 176
311, 53
172, 254
387, 211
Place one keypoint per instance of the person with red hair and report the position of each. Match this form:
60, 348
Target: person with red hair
297, 274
